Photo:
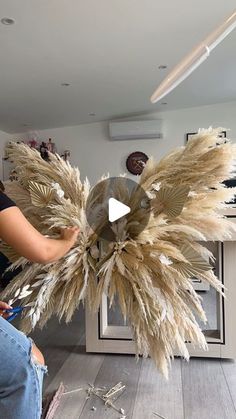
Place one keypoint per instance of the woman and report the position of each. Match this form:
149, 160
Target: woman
21, 362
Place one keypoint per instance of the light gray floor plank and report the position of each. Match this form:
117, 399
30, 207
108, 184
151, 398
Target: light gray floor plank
57, 340
209, 386
78, 370
56, 357
229, 369
156, 394
115, 368
205, 391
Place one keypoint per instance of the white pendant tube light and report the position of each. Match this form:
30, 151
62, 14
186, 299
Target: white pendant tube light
194, 58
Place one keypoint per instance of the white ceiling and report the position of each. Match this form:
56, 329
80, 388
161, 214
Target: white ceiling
109, 52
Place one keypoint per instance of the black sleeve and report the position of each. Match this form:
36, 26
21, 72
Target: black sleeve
5, 202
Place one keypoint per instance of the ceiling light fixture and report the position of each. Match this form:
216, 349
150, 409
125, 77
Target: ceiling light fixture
162, 67
7, 21
65, 84
163, 103
92, 114
194, 58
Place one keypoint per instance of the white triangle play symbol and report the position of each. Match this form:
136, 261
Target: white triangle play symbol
116, 209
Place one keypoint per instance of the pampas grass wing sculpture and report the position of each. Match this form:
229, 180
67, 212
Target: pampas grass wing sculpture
151, 274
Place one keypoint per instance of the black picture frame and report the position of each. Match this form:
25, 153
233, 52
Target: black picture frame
223, 134
229, 183
189, 135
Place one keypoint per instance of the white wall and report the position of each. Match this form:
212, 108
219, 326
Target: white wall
95, 154
2, 142
4, 138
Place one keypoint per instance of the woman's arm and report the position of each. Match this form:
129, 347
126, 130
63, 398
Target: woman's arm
16, 231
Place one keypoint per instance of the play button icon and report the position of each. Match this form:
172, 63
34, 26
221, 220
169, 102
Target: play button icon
116, 210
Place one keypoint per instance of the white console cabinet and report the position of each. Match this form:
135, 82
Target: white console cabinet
106, 331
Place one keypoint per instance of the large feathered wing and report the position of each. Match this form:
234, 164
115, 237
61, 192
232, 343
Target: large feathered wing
151, 274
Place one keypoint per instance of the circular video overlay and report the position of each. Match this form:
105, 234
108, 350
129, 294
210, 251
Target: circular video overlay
117, 209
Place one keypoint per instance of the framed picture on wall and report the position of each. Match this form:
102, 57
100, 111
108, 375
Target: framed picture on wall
190, 134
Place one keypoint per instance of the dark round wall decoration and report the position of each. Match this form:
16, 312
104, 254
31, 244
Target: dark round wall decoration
136, 162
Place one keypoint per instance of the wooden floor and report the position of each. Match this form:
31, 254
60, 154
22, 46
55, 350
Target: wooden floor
201, 389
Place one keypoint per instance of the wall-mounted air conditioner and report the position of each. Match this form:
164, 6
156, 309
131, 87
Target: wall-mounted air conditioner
132, 130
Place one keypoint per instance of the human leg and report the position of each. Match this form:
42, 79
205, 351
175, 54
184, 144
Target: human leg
21, 375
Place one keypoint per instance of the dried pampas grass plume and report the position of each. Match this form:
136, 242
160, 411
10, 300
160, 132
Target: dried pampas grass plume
151, 275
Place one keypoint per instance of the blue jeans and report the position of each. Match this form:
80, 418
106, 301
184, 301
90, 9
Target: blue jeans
21, 378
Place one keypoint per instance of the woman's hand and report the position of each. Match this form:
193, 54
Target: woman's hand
4, 306
70, 234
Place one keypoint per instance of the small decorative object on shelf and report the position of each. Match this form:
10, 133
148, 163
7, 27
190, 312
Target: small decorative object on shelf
13, 175
66, 155
135, 162
51, 146
44, 151
33, 143
33, 139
